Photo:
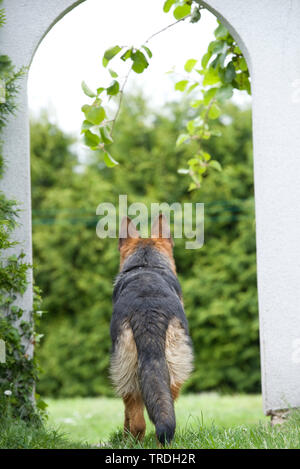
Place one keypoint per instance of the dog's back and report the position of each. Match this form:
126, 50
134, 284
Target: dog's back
152, 353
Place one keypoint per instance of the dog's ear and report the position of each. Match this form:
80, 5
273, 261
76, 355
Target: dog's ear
127, 230
161, 229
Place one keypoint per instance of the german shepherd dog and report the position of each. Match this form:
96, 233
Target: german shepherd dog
152, 353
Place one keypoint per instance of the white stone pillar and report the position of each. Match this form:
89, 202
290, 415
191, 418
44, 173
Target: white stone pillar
269, 35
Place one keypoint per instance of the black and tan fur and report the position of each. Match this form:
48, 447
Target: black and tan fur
152, 353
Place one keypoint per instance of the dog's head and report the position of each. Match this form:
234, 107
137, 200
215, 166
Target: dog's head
161, 240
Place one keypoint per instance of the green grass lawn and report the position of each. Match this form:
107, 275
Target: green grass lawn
95, 419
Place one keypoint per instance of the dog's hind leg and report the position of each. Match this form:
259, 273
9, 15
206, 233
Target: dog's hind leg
126, 421
134, 416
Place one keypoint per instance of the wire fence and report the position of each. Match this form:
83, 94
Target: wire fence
218, 211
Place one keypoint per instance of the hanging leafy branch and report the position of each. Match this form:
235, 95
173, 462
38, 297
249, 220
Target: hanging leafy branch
221, 70
97, 127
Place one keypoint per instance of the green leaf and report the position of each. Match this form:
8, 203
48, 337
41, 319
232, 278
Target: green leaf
237, 50
91, 140
96, 115
211, 77
221, 31
113, 88
109, 161
167, 5
242, 82
243, 64
190, 127
212, 45
192, 186
85, 108
86, 125
181, 11
112, 73
219, 60
205, 134
99, 90
229, 73
214, 111
201, 169
182, 138
209, 95
139, 61
205, 59
4, 60
148, 51
198, 121
197, 103
225, 92
192, 87
193, 162
219, 47
105, 136
206, 156
126, 55
196, 15
109, 54
87, 90
42, 405
181, 85
190, 64
215, 164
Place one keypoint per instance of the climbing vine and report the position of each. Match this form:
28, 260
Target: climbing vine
18, 370
214, 78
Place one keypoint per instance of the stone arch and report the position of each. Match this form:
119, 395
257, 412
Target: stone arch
269, 35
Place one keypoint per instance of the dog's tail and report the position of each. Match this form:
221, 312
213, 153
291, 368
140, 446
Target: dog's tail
154, 382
